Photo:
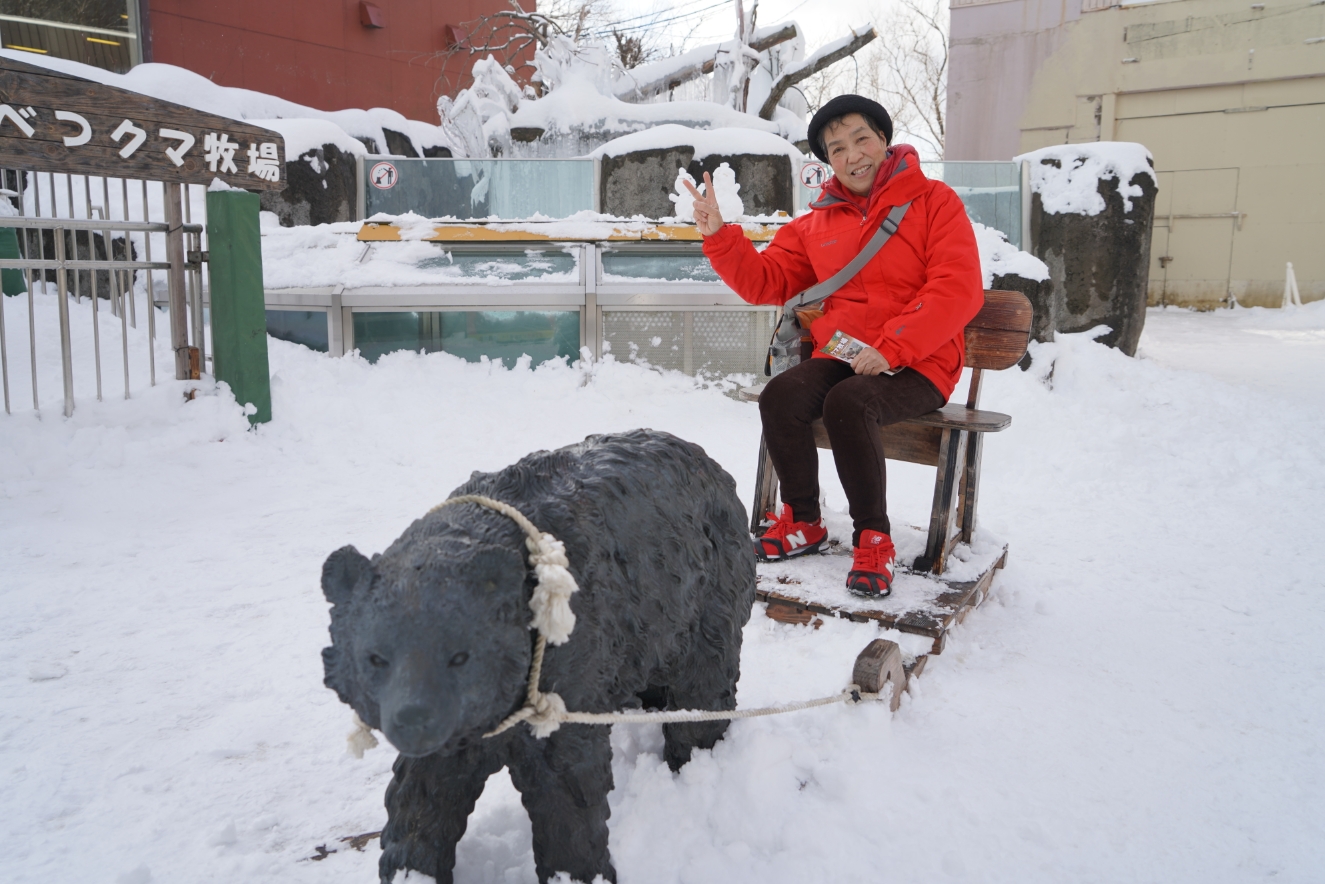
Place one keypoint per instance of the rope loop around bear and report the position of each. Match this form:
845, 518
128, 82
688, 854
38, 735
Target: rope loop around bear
553, 621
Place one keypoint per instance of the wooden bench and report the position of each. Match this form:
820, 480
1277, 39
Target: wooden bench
949, 439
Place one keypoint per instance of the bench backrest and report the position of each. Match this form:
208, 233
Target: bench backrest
998, 336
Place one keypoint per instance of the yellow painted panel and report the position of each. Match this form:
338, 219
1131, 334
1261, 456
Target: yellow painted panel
480, 233
1275, 93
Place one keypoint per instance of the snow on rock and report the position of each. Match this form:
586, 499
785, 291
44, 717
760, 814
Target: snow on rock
999, 257
1139, 693
706, 142
1067, 176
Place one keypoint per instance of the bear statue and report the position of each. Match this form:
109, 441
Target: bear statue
431, 640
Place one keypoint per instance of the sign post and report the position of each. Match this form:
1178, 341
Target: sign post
54, 122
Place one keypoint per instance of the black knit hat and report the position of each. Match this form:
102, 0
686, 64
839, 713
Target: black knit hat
841, 106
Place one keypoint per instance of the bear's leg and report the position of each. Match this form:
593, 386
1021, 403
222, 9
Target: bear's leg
704, 679
428, 804
564, 781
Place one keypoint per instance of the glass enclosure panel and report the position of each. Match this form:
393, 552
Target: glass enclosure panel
657, 264
307, 327
715, 342
471, 334
991, 193
475, 189
512, 264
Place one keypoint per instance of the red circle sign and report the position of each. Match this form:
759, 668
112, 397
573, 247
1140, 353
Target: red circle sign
814, 175
384, 176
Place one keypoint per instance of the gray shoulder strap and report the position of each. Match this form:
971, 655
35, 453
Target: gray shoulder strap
842, 277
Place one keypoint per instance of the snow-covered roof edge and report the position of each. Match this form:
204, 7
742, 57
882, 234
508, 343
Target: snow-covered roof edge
303, 128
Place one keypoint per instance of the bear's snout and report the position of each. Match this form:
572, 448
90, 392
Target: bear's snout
417, 729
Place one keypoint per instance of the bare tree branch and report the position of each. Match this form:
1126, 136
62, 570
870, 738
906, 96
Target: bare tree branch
660, 76
825, 57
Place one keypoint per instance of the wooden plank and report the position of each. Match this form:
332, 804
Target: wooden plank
998, 335
547, 232
934, 622
958, 417
82, 139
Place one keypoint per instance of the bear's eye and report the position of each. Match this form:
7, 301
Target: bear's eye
377, 661
459, 659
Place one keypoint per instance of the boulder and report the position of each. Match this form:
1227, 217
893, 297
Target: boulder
319, 188
639, 182
1099, 265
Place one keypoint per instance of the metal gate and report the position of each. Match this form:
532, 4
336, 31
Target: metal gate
83, 240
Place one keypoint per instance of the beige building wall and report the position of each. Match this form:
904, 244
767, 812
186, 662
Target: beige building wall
1229, 97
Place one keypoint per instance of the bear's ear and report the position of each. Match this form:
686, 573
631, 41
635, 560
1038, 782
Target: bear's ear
341, 573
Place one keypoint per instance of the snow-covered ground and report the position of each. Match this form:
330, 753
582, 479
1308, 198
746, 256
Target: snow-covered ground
1141, 700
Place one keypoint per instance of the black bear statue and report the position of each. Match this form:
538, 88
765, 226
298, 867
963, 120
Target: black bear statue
431, 640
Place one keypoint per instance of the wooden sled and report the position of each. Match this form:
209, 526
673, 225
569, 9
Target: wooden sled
950, 440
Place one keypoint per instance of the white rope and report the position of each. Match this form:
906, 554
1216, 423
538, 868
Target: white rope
553, 620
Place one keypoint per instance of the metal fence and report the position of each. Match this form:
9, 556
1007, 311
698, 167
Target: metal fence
68, 243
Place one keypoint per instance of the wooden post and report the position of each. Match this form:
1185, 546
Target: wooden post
179, 319
239, 314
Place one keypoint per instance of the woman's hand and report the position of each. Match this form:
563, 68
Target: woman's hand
707, 216
869, 361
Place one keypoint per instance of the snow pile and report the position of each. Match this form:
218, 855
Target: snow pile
1139, 693
999, 257
1067, 176
303, 128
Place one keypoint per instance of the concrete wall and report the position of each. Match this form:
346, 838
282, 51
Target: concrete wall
1230, 100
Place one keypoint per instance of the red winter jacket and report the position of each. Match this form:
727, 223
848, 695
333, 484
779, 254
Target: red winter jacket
910, 302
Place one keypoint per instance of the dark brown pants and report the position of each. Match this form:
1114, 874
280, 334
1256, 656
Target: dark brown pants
853, 408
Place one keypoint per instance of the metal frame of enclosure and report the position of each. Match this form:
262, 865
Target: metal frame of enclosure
687, 325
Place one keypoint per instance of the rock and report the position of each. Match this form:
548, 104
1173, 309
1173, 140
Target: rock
319, 189
1099, 266
639, 182
399, 144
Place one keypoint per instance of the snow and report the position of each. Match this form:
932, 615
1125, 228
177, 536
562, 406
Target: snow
1067, 176
999, 257
1140, 699
578, 107
304, 128
722, 142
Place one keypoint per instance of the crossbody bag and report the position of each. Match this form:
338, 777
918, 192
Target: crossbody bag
792, 342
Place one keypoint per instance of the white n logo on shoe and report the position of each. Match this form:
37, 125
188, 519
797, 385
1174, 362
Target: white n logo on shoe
796, 540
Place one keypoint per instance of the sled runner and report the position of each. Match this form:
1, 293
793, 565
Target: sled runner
935, 592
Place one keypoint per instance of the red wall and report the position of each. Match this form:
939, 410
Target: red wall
316, 52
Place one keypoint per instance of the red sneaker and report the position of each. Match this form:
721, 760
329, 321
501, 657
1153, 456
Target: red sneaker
872, 565
786, 537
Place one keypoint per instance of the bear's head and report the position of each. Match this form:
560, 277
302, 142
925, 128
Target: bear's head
430, 642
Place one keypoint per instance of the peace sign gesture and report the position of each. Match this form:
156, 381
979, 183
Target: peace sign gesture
707, 216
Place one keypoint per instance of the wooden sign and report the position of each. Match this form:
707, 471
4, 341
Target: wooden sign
54, 122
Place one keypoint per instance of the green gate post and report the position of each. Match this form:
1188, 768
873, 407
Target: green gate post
239, 313
11, 281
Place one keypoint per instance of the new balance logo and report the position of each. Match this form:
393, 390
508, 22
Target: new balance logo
796, 540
